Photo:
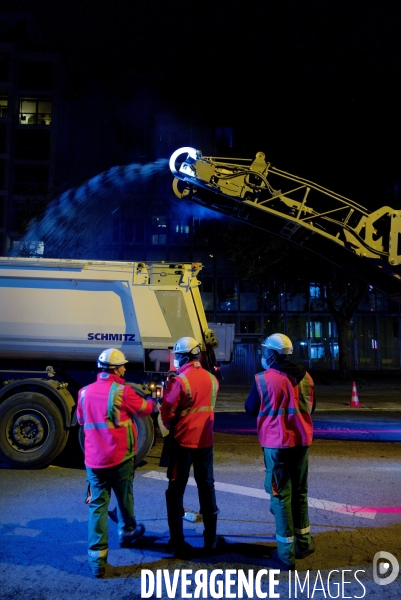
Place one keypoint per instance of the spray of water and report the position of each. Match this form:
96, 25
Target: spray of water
81, 219
190, 210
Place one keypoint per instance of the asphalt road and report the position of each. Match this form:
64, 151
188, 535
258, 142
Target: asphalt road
334, 425
355, 512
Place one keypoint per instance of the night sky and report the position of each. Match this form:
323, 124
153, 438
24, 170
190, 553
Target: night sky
314, 85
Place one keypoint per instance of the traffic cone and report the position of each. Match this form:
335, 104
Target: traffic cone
354, 397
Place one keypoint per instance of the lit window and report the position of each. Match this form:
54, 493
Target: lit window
3, 107
159, 240
315, 329
30, 249
35, 112
314, 290
317, 351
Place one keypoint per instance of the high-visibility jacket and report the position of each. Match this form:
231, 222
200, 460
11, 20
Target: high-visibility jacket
188, 406
284, 418
105, 410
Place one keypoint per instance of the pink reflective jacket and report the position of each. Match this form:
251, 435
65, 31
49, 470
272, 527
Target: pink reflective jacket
188, 405
284, 418
105, 410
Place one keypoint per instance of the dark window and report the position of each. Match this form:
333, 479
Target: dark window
2, 173
224, 137
250, 297
133, 230
33, 144
31, 179
130, 228
159, 231
227, 294
21, 29
3, 137
207, 284
30, 207
4, 69
36, 75
250, 325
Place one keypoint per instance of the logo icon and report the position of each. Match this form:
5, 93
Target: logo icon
385, 568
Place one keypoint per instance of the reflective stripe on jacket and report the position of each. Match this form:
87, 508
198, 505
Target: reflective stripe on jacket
188, 406
284, 418
105, 410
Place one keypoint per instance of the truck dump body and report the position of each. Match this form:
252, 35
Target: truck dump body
71, 310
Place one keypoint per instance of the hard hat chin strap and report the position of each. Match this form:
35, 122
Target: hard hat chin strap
106, 367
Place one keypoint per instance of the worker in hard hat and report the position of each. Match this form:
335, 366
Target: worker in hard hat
105, 409
188, 411
282, 398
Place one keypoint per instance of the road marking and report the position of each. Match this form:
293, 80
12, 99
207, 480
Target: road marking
346, 509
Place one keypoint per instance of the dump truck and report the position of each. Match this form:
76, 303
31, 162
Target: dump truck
56, 317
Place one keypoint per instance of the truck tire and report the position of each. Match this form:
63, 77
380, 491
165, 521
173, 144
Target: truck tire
146, 436
32, 431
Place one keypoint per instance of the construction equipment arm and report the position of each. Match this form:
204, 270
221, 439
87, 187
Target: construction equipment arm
264, 196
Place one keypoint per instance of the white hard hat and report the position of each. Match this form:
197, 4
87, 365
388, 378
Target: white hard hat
187, 345
111, 358
279, 342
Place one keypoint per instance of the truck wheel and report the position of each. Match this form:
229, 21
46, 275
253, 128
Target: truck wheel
146, 436
32, 431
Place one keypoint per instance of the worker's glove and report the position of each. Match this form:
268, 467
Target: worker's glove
171, 374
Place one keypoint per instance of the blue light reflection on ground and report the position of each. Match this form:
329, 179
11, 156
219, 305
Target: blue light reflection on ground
334, 428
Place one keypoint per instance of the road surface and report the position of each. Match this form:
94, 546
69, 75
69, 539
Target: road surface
355, 512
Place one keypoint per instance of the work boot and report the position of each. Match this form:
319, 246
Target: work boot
280, 564
128, 538
209, 533
176, 543
308, 552
217, 546
181, 550
99, 571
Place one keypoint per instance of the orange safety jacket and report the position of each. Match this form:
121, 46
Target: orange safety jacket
105, 410
188, 406
284, 418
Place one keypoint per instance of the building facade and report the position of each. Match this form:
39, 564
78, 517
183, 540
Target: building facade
29, 84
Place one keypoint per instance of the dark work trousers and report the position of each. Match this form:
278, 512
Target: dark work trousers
287, 483
102, 481
178, 470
